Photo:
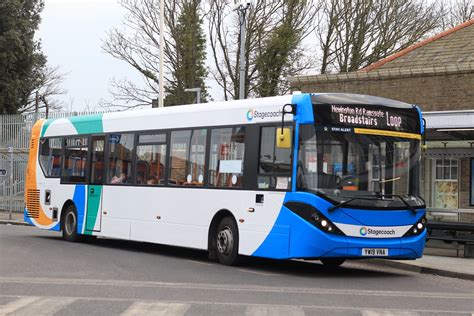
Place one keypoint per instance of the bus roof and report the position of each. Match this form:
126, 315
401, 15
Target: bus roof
224, 113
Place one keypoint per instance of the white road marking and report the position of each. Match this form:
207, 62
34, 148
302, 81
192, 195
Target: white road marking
376, 311
199, 262
17, 304
38, 306
263, 310
259, 273
387, 313
156, 308
238, 288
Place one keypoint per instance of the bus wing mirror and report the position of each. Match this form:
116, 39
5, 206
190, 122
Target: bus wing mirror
283, 137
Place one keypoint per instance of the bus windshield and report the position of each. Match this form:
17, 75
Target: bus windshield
359, 170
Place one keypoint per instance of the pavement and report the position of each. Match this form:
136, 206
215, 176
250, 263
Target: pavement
461, 268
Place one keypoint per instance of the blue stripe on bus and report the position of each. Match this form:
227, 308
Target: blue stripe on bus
422, 127
26, 218
79, 200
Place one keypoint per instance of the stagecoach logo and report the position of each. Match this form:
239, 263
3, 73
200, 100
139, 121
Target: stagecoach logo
375, 232
254, 114
250, 115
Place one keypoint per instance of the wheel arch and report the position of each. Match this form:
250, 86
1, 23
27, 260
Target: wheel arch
63, 211
211, 242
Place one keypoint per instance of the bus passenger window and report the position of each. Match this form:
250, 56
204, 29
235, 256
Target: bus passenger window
151, 159
97, 161
274, 168
188, 151
75, 160
120, 158
50, 157
226, 160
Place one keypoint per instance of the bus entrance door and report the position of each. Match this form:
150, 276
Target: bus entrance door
94, 191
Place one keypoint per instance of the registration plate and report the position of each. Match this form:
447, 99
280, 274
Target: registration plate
375, 252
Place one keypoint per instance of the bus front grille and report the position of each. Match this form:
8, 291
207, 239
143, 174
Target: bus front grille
33, 203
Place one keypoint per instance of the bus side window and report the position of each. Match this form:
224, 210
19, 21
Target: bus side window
151, 159
226, 158
50, 157
75, 160
120, 158
274, 167
187, 157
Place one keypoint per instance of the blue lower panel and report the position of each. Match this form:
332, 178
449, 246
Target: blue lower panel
56, 227
26, 218
306, 241
79, 199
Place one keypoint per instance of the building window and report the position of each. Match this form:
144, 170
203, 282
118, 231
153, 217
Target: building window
445, 190
75, 160
472, 183
120, 158
50, 157
151, 159
187, 153
274, 168
226, 161
446, 169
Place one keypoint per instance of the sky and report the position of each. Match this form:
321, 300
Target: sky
71, 33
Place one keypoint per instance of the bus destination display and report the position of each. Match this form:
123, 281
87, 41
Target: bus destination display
367, 116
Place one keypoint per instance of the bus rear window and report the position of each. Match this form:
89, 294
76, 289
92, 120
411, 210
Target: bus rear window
50, 156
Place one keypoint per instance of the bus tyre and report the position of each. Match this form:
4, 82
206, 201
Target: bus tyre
332, 262
227, 242
70, 224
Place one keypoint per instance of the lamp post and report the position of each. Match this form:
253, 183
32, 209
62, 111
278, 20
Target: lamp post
241, 7
197, 91
162, 40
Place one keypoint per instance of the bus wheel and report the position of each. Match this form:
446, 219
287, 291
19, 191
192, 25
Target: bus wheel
70, 224
332, 262
227, 242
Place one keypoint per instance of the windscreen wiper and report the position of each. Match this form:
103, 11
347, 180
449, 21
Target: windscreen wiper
335, 207
410, 207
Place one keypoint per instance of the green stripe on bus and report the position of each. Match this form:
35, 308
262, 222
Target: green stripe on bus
91, 124
45, 126
93, 205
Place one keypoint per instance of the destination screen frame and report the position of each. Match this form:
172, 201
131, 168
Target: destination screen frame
368, 116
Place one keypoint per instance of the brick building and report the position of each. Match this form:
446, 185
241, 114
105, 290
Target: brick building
438, 75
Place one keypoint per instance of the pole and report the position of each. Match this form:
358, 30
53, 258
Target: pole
162, 40
242, 13
10, 209
36, 105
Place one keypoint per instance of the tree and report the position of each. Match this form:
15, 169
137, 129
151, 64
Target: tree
282, 54
272, 47
21, 59
137, 43
188, 57
357, 33
457, 12
47, 86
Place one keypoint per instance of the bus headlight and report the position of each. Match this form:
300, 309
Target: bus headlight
320, 221
314, 217
416, 229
